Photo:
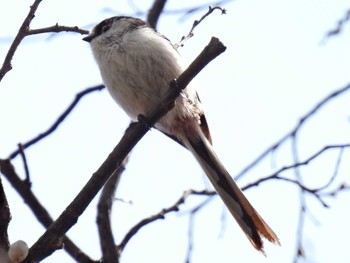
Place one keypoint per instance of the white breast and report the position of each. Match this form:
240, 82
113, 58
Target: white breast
137, 70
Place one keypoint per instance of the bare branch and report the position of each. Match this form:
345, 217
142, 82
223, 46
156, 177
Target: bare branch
303, 207
155, 12
339, 27
56, 29
318, 192
191, 10
26, 31
160, 215
108, 247
196, 23
193, 213
60, 119
5, 218
276, 175
22, 32
342, 187
46, 243
336, 169
25, 163
185, 12
23, 188
307, 116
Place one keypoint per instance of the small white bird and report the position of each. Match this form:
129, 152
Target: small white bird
136, 65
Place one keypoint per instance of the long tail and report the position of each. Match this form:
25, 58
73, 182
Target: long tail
247, 217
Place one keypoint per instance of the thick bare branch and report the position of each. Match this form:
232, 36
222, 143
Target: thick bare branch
5, 218
46, 243
23, 188
155, 12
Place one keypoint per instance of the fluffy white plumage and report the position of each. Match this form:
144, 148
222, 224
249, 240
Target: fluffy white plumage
127, 66
136, 65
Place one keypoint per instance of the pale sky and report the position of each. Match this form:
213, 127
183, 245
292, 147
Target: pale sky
276, 68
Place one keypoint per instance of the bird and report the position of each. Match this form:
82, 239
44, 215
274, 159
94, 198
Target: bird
137, 64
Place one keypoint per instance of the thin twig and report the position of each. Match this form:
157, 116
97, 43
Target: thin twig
340, 188
299, 253
313, 157
316, 192
336, 169
339, 27
22, 32
160, 215
188, 11
307, 116
108, 247
193, 213
196, 23
56, 29
190, 239
185, 11
25, 164
59, 120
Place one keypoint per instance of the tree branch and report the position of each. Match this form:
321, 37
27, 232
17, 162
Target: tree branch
307, 116
5, 218
196, 23
192, 213
276, 174
160, 215
56, 29
57, 123
317, 192
155, 12
23, 30
46, 243
25, 163
23, 188
108, 247
339, 27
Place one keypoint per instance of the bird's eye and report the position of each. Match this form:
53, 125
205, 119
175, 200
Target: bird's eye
105, 28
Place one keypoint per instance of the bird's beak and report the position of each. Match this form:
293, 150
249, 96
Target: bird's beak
88, 38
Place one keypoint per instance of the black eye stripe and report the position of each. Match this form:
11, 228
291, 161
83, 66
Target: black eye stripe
106, 24
103, 27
